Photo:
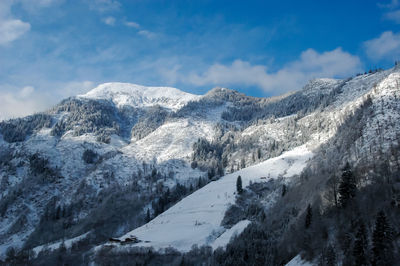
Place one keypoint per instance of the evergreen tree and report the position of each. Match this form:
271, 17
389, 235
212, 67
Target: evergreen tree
360, 249
330, 256
347, 186
148, 216
199, 183
284, 190
58, 211
242, 163
239, 188
382, 241
259, 153
308, 216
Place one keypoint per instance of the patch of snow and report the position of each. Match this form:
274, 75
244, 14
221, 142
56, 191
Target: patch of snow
140, 96
225, 238
298, 261
68, 244
173, 140
196, 220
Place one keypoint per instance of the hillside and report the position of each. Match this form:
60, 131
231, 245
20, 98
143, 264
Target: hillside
161, 165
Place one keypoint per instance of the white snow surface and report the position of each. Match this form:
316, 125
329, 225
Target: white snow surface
67, 243
298, 261
226, 237
173, 140
141, 96
196, 220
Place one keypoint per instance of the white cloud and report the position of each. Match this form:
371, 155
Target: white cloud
132, 24
12, 29
26, 91
76, 88
147, 34
293, 76
21, 103
109, 21
393, 16
386, 46
391, 5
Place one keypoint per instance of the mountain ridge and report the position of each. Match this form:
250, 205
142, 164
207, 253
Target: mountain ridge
105, 162
138, 96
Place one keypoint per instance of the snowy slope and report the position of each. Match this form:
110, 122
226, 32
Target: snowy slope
230, 233
141, 96
196, 220
173, 140
297, 261
52, 246
169, 148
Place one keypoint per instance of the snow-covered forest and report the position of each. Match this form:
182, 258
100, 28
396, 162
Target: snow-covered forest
132, 175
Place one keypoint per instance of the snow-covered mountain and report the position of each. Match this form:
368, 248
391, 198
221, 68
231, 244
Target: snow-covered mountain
197, 219
140, 96
160, 165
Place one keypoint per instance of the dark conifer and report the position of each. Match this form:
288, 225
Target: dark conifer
148, 216
330, 256
360, 249
308, 216
284, 190
347, 186
239, 187
382, 241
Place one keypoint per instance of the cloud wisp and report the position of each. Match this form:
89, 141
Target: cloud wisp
10, 28
22, 102
393, 16
294, 75
132, 24
386, 46
109, 21
18, 102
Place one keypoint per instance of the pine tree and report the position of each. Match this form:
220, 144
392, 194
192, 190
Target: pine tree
148, 216
183, 261
360, 249
239, 188
58, 211
382, 241
259, 153
347, 186
330, 256
308, 216
242, 163
284, 190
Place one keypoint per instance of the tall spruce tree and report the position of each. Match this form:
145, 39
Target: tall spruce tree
148, 217
330, 257
239, 187
382, 241
284, 190
308, 216
360, 249
347, 186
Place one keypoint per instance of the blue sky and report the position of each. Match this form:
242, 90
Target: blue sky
52, 49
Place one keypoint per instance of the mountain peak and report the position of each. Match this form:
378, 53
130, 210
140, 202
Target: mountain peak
140, 96
224, 94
